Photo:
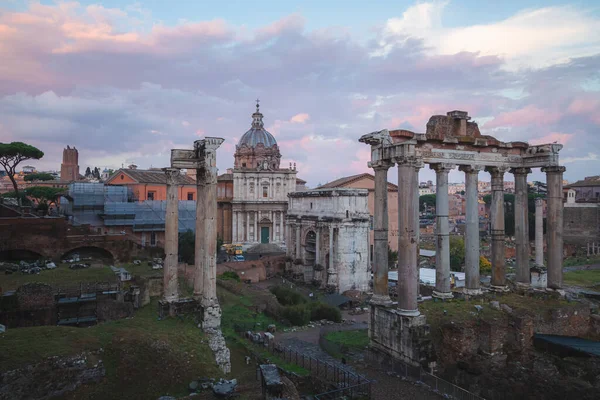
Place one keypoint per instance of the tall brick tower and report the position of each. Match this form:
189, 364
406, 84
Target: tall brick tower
69, 169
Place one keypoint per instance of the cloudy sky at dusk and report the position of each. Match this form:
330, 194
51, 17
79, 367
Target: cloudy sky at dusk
127, 81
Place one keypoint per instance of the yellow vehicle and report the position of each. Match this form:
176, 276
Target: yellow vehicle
233, 249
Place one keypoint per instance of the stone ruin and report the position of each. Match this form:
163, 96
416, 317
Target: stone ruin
450, 141
203, 159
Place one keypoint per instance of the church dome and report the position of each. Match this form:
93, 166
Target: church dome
257, 133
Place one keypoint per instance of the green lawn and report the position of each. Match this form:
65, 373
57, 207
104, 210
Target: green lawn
357, 339
144, 357
585, 278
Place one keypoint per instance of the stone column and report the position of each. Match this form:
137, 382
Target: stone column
497, 221
554, 228
539, 232
298, 255
380, 232
317, 247
273, 223
472, 245
200, 242
522, 226
331, 271
442, 250
281, 239
235, 227
207, 154
407, 243
418, 166
247, 215
171, 237
256, 239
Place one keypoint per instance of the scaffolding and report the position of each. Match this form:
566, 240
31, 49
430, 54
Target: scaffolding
98, 205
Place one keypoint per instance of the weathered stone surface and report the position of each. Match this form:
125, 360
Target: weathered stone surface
217, 344
55, 377
225, 388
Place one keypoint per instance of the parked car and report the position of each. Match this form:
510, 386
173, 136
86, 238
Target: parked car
239, 257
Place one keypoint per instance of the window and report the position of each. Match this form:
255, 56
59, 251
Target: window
122, 177
191, 196
153, 239
311, 206
243, 165
371, 220
347, 214
265, 191
150, 195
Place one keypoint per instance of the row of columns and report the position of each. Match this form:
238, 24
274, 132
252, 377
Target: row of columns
408, 228
241, 234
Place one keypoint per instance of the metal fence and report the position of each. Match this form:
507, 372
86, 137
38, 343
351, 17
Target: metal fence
416, 373
344, 381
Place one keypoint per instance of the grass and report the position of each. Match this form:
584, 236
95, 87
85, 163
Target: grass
164, 355
239, 309
456, 310
584, 278
582, 260
61, 276
357, 339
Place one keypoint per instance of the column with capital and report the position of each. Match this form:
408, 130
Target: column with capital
442, 253
207, 153
407, 239
170, 284
318, 246
200, 241
472, 281
256, 217
380, 233
522, 226
554, 227
497, 221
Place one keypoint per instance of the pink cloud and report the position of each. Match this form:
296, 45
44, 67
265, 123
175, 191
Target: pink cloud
529, 115
300, 118
558, 137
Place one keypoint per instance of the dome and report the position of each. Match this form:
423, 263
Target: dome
257, 133
255, 136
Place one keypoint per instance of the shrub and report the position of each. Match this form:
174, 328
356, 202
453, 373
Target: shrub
297, 315
484, 264
319, 311
230, 276
287, 297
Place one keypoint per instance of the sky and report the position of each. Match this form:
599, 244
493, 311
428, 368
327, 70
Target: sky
125, 82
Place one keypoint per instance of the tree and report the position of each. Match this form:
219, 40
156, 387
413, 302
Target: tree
88, 172
44, 196
392, 257
457, 253
484, 264
11, 154
42, 176
509, 212
187, 240
96, 173
426, 201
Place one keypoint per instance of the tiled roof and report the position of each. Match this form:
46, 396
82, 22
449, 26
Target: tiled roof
589, 181
225, 177
352, 178
152, 176
300, 181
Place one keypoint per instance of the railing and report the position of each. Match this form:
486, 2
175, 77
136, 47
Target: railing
417, 373
345, 381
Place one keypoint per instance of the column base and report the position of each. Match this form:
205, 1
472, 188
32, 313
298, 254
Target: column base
381, 300
523, 285
408, 313
442, 295
211, 317
473, 292
499, 289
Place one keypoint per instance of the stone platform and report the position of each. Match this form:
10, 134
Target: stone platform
404, 338
173, 308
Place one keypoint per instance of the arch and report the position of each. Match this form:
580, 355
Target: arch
95, 252
13, 255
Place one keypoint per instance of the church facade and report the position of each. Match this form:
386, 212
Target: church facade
260, 187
